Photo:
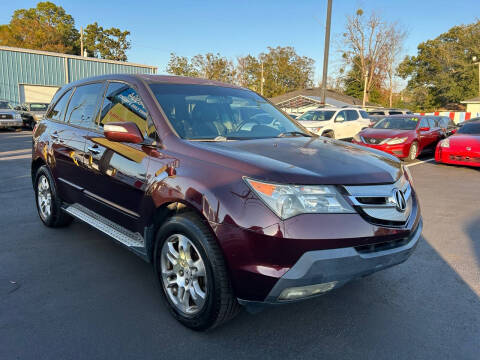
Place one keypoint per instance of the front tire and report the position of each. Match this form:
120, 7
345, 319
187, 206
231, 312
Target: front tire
192, 273
413, 152
49, 204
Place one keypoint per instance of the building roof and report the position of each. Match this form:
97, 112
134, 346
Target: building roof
312, 96
475, 100
68, 56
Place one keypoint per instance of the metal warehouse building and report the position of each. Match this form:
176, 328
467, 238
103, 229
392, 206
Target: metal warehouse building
34, 76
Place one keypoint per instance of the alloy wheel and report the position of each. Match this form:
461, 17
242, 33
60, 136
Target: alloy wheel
44, 197
183, 274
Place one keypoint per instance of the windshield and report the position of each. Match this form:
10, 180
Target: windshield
5, 105
205, 112
317, 115
38, 107
471, 129
397, 123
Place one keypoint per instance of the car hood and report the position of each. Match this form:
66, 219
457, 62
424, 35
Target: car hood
303, 160
313, 124
7, 111
386, 133
465, 140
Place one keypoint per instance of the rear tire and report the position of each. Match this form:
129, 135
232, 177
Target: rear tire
413, 152
49, 204
219, 303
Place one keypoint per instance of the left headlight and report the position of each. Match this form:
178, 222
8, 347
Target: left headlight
395, 141
18, 116
445, 143
290, 200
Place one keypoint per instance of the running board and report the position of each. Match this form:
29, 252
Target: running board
134, 241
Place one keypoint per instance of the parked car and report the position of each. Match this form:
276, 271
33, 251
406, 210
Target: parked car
403, 136
380, 114
9, 118
32, 113
448, 125
228, 213
293, 116
462, 148
337, 123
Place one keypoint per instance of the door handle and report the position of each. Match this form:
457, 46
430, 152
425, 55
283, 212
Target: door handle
94, 149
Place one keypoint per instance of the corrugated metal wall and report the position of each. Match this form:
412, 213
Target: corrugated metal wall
17, 67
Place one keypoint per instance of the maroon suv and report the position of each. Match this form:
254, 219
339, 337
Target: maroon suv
232, 201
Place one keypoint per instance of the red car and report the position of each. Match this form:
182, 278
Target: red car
462, 148
404, 136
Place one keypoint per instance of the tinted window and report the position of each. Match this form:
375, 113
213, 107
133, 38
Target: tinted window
395, 112
470, 128
208, 112
58, 111
352, 115
376, 112
83, 106
5, 105
317, 115
123, 104
432, 122
399, 123
364, 114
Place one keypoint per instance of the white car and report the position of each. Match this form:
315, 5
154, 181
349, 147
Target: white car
337, 123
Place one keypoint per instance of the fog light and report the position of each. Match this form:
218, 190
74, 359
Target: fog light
306, 291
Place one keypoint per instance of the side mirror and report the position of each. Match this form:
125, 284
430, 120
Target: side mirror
425, 128
123, 132
339, 119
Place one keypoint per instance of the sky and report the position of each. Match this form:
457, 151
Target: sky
236, 28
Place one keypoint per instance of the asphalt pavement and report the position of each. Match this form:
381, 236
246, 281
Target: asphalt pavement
72, 293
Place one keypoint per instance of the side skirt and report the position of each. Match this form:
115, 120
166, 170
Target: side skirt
133, 241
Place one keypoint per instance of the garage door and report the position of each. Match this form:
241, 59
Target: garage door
36, 93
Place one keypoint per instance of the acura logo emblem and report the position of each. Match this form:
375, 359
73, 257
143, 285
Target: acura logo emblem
398, 199
469, 148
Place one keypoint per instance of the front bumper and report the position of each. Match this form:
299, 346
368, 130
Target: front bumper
447, 156
338, 266
10, 123
400, 150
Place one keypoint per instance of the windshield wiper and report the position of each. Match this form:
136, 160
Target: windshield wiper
293, 133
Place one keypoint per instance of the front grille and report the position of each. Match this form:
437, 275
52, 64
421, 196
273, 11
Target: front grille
379, 204
387, 245
372, 141
6, 116
465, 158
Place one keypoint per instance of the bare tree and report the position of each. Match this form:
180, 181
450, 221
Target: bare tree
394, 46
371, 46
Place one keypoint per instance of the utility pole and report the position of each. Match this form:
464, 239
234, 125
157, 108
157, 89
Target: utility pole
325, 51
261, 82
365, 89
477, 63
81, 40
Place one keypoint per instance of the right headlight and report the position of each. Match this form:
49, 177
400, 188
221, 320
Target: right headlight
290, 200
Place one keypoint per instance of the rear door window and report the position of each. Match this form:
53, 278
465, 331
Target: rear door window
123, 104
83, 107
352, 115
58, 111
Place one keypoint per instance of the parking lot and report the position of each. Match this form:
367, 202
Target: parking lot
72, 293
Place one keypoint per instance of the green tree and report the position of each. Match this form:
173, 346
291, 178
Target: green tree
110, 44
284, 70
354, 81
45, 27
442, 71
208, 66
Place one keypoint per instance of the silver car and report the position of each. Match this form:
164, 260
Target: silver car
9, 118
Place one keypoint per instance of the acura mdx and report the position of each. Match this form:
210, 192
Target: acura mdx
232, 201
